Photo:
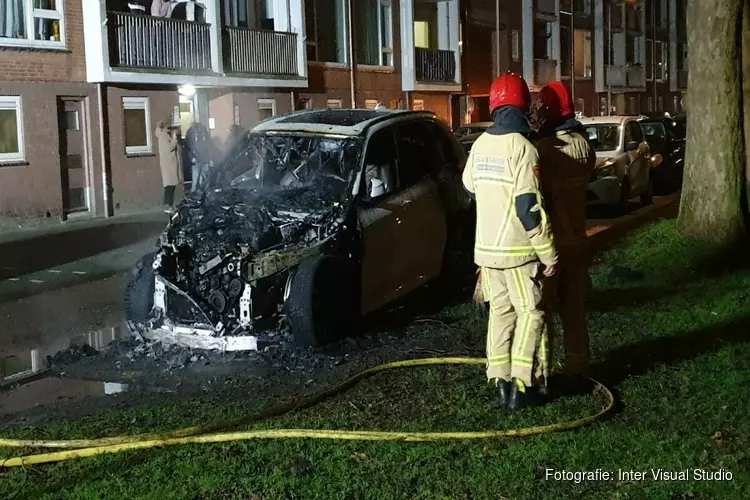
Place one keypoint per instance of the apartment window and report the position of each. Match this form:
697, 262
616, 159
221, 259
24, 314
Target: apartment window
515, 49
334, 103
649, 60
371, 103
542, 39
266, 108
566, 51
137, 117
253, 14
581, 106
582, 53
373, 30
660, 103
660, 8
326, 31
582, 7
660, 61
11, 129
634, 50
417, 105
32, 22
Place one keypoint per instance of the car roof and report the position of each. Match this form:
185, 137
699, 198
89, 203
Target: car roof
347, 122
615, 119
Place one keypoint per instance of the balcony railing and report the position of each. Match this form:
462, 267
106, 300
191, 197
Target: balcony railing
145, 42
682, 79
616, 76
545, 7
260, 52
432, 65
636, 76
545, 71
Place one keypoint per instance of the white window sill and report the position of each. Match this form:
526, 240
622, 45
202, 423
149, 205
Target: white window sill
138, 151
376, 69
23, 43
331, 65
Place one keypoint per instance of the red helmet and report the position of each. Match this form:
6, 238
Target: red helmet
510, 90
556, 101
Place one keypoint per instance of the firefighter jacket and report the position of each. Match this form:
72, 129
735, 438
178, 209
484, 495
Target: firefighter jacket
566, 161
512, 226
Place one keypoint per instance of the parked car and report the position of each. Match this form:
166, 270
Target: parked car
623, 167
317, 217
471, 129
667, 142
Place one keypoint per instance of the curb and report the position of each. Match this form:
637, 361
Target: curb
611, 235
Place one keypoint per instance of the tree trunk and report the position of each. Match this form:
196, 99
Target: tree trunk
746, 100
714, 183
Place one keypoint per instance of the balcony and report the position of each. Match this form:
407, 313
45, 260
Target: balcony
546, 7
545, 71
248, 51
433, 65
154, 43
682, 79
636, 76
616, 76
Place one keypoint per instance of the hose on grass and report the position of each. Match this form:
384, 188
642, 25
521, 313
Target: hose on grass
79, 448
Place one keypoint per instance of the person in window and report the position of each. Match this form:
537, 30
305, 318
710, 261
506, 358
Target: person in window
199, 146
566, 160
162, 8
169, 161
513, 243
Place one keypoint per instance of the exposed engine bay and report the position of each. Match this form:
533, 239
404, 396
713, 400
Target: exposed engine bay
226, 259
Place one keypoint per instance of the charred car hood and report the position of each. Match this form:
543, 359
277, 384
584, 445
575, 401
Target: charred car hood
232, 219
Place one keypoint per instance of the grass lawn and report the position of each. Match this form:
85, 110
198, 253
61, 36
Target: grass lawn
669, 327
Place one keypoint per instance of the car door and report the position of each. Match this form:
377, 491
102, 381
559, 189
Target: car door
379, 214
420, 158
638, 167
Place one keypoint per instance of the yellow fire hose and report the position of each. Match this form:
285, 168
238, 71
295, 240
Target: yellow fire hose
210, 434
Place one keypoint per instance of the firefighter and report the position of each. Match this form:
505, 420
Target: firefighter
566, 162
513, 244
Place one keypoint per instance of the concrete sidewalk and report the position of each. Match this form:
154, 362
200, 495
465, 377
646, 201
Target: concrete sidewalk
28, 250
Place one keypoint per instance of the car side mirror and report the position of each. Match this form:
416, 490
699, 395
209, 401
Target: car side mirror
631, 146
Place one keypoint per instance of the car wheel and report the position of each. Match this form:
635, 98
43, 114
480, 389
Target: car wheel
647, 198
323, 301
624, 193
139, 294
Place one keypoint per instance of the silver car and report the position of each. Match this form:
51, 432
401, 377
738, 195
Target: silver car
623, 166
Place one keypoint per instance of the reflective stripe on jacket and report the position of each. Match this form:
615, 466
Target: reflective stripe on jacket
512, 226
566, 161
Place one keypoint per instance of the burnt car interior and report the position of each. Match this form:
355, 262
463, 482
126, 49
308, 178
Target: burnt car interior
285, 207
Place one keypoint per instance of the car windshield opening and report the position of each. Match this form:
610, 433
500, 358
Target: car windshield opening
604, 137
653, 131
282, 162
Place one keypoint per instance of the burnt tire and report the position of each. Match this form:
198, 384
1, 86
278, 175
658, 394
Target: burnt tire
323, 303
139, 294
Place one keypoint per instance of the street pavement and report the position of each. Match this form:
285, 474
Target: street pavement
49, 309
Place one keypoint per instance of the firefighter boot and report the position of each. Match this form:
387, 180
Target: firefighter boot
503, 391
520, 395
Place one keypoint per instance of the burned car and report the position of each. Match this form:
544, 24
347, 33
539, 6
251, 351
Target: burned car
313, 219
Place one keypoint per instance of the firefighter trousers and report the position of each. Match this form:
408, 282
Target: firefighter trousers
516, 321
565, 294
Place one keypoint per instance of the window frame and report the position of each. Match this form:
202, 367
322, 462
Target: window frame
138, 103
588, 54
312, 39
662, 75
515, 45
30, 14
262, 102
393, 166
14, 103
